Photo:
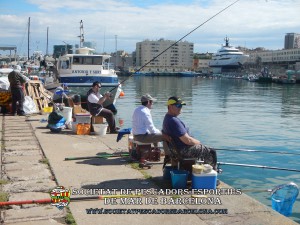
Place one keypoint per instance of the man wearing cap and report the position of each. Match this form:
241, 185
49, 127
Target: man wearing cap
143, 129
60, 95
95, 104
188, 146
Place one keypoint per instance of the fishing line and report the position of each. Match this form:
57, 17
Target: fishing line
257, 166
176, 43
253, 150
273, 190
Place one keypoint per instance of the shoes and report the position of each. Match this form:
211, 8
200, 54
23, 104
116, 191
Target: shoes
22, 114
114, 132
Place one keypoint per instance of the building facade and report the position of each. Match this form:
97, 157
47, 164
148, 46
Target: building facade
179, 57
283, 57
291, 40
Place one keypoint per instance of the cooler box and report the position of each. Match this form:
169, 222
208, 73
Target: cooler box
204, 180
83, 118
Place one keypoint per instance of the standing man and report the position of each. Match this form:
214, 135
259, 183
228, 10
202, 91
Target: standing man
188, 146
143, 129
16, 81
95, 104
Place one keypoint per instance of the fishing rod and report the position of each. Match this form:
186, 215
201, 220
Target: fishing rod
48, 200
273, 190
98, 156
257, 166
253, 150
175, 43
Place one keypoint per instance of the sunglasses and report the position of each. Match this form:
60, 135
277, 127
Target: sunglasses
179, 106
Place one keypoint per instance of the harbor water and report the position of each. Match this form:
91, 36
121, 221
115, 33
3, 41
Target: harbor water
231, 114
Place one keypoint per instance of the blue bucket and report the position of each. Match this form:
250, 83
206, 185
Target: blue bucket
179, 178
167, 174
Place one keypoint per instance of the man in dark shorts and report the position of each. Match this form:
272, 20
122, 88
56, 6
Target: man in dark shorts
188, 146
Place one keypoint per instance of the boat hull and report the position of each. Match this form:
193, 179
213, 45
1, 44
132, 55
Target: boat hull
233, 62
87, 81
81, 84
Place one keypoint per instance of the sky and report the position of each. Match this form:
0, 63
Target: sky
120, 24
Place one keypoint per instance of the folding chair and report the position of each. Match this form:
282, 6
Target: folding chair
175, 158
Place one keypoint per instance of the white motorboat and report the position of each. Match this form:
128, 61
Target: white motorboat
79, 70
228, 56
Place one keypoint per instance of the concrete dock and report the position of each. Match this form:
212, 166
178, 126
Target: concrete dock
33, 163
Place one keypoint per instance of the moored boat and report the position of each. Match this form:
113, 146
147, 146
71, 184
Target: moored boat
188, 74
253, 78
228, 57
81, 69
288, 78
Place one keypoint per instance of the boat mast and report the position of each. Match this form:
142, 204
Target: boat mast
47, 41
28, 37
81, 36
116, 66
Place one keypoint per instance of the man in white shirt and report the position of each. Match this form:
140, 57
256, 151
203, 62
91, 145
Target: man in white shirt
95, 101
143, 129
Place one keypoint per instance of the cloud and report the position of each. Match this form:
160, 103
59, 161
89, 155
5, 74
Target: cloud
248, 22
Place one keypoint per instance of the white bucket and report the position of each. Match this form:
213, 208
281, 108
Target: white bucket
67, 114
74, 127
100, 129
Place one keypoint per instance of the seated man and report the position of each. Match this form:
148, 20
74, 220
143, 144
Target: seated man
60, 95
143, 129
188, 146
95, 101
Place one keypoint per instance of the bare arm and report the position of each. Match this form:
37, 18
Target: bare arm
106, 96
188, 140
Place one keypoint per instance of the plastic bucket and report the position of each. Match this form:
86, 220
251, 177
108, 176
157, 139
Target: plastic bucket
67, 114
100, 129
166, 173
48, 109
179, 178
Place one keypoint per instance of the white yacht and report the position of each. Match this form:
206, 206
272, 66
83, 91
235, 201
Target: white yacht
228, 56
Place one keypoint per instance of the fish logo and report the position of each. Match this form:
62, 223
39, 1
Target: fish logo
60, 197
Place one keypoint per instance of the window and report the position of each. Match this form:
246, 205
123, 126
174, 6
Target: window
76, 60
